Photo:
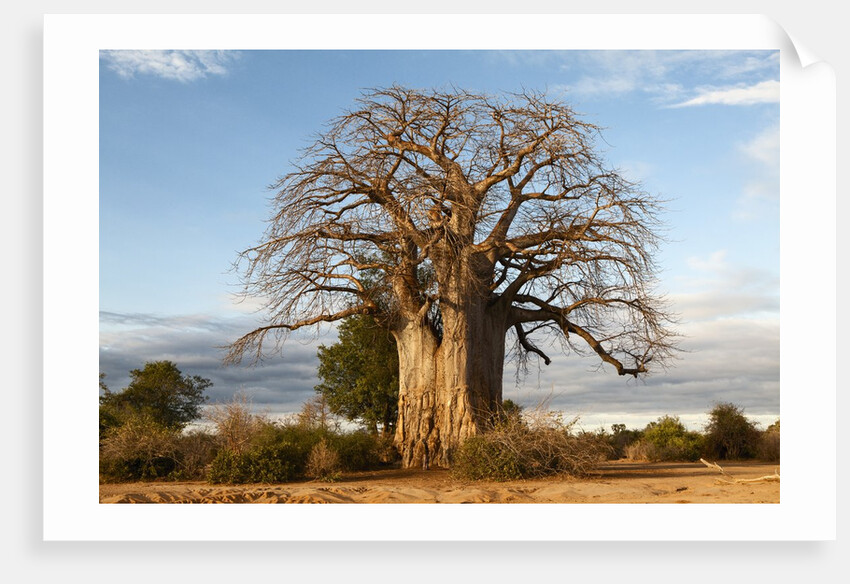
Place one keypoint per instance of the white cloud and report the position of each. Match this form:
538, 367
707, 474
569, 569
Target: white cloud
764, 92
621, 72
181, 66
716, 289
664, 75
715, 262
764, 147
760, 195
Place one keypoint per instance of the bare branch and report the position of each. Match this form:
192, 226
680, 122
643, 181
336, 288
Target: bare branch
252, 342
528, 346
502, 200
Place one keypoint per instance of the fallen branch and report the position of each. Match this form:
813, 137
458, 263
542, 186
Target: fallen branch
729, 479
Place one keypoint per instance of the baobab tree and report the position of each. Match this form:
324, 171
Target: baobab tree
461, 222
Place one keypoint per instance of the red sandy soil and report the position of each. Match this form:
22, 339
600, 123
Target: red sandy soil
614, 482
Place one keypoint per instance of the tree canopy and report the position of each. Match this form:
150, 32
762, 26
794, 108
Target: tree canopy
159, 390
729, 434
359, 374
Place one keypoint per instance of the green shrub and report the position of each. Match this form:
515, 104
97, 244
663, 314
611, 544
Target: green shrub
667, 439
159, 390
485, 458
357, 450
228, 467
729, 434
281, 452
266, 464
108, 420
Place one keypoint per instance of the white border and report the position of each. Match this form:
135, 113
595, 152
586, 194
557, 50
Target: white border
71, 509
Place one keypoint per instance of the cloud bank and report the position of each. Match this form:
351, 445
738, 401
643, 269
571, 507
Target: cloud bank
730, 353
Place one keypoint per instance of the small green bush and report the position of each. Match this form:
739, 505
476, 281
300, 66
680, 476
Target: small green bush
266, 464
357, 450
667, 439
483, 458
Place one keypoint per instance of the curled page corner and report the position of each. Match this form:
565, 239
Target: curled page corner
804, 55
791, 44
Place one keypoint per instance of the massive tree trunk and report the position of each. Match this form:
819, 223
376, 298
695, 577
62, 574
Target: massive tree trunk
449, 387
447, 390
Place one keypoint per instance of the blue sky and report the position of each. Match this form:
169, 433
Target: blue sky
189, 142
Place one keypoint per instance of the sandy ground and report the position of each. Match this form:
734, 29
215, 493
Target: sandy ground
615, 482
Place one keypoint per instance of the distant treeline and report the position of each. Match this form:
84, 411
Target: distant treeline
143, 436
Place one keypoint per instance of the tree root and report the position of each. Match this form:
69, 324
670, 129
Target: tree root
730, 480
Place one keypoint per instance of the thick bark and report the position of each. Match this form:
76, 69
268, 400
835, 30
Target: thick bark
418, 362
449, 387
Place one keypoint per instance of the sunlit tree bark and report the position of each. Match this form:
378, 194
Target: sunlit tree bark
491, 220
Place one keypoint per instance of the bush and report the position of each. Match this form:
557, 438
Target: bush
620, 440
729, 434
142, 449
666, 439
323, 463
768, 446
359, 450
538, 445
195, 452
283, 452
487, 457
235, 425
266, 464
139, 449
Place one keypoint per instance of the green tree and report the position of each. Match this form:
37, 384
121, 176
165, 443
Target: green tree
729, 434
158, 390
359, 374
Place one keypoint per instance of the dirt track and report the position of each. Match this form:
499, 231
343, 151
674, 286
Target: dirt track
616, 482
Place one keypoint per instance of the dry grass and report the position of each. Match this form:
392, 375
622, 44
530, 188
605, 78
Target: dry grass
235, 424
538, 443
323, 463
